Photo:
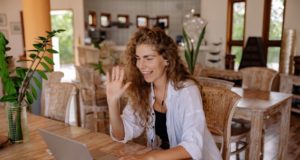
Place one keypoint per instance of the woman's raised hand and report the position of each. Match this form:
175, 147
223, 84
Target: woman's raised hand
114, 84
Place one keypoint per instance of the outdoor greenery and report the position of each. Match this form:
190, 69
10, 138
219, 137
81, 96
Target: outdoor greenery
65, 38
17, 88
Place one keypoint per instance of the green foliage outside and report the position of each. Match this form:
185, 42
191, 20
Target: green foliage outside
238, 21
66, 38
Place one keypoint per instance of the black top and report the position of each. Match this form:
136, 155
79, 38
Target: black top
161, 129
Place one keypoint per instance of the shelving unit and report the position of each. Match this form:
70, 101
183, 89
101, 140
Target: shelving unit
287, 82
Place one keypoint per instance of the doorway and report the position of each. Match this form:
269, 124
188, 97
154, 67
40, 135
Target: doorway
64, 43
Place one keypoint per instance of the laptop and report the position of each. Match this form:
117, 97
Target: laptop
67, 149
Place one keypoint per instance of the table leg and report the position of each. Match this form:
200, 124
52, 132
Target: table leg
284, 128
255, 135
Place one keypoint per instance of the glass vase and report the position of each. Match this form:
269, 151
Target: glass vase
17, 123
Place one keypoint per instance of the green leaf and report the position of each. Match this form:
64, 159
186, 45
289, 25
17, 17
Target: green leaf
29, 97
34, 92
42, 74
33, 56
37, 82
60, 30
42, 38
52, 51
200, 39
21, 72
9, 98
99, 67
188, 59
38, 46
48, 60
32, 50
46, 67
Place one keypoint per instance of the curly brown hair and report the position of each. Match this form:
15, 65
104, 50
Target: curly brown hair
176, 71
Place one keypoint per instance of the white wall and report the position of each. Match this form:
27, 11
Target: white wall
254, 18
175, 9
291, 20
12, 8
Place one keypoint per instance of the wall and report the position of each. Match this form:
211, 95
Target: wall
175, 9
291, 22
12, 8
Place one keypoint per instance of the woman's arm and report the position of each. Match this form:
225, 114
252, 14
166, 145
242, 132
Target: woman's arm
114, 91
177, 152
116, 122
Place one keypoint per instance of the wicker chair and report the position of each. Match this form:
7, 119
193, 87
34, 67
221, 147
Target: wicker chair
205, 81
58, 97
258, 78
239, 130
219, 105
53, 77
90, 103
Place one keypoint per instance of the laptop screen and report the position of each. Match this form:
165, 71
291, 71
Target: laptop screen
63, 148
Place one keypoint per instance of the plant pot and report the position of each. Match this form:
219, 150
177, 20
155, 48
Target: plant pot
17, 123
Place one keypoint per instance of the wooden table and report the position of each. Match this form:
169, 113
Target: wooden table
35, 149
257, 106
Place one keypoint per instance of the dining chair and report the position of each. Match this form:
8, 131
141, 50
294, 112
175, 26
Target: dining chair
239, 131
58, 99
53, 77
91, 104
219, 105
258, 78
205, 81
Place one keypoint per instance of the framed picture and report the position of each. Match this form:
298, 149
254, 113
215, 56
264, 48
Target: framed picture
105, 20
123, 20
163, 21
15, 28
3, 21
92, 19
4, 31
142, 21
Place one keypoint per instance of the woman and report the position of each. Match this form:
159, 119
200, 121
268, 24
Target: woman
164, 100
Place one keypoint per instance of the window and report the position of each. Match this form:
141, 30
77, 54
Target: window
235, 29
272, 30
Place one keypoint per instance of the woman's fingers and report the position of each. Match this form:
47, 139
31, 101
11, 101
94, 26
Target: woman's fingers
121, 74
107, 77
117, 70
113, 74
126, 86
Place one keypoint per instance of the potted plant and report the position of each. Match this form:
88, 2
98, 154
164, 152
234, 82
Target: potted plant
193, 35
18, 90
191, 51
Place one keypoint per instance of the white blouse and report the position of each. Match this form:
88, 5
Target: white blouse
186, 125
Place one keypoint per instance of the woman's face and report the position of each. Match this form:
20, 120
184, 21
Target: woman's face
150, 64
